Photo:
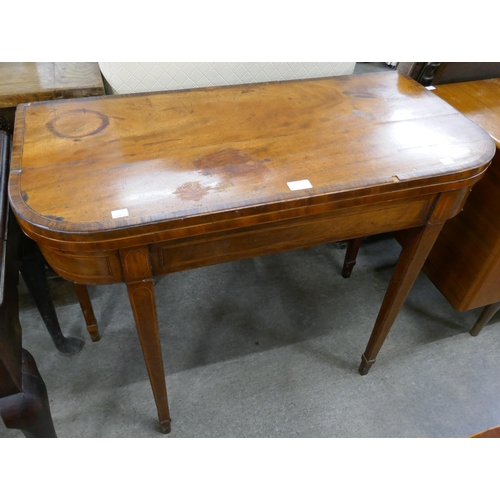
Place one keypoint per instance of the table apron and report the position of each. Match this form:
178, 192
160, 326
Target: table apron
105, 266
205, 250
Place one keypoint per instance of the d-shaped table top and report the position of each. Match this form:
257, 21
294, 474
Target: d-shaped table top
122, 161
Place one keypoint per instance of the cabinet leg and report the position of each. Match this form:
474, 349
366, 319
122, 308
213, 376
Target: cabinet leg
416, 249
487, 313
82, 294
29, 410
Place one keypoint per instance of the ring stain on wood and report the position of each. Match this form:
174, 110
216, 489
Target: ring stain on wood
78, 123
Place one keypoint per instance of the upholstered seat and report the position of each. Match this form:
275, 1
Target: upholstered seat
124, 78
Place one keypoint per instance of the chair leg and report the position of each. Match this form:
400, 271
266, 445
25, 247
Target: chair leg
487, 313
34, 275
88, 313
350, 256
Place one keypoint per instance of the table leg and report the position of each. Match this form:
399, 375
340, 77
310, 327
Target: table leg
82, 294
415, 250
350, 256
487, 313
137, 272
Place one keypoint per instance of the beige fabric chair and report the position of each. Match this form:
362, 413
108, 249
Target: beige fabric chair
124, 78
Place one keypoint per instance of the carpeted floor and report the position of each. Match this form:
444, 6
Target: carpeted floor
270, 347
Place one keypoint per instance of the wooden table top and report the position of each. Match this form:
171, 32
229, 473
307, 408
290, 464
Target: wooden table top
80, 166
28, 81
478, 100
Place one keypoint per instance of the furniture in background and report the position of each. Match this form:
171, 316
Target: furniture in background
427, 74
30, 82
24, 403
439, 73
465, 261
156, 183
27, 82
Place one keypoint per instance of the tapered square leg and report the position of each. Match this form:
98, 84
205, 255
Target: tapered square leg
351, 256
138, 276
415, 250
82, 294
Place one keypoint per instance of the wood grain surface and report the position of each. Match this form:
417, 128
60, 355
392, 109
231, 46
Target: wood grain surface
478, 100
465, 261
169, 156
39, 81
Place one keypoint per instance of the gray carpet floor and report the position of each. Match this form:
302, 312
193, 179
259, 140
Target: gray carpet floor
269, 347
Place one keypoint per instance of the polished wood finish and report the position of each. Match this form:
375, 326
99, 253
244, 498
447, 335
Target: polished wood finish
430, 73
409, 264
82, 294
494, 432
138, 275
29, 81
201, 177
465, 262
23, 83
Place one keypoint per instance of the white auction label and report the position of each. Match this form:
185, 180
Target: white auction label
446, 161
296, 185
116, 214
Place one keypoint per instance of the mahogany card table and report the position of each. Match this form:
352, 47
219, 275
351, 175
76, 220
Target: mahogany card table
123, 188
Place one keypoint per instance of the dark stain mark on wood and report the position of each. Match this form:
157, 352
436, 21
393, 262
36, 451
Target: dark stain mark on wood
88, 123
24, 196
231, 164
192, 191
229, 167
